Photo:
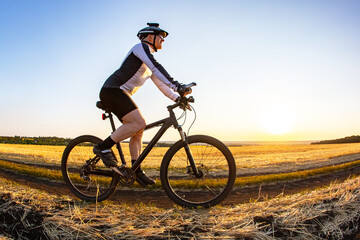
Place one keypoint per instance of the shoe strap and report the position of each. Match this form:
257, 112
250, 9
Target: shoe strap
106, 151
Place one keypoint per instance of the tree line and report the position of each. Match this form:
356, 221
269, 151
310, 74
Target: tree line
58, 141
35, 140
350, 139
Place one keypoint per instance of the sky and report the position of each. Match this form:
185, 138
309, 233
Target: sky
266, 70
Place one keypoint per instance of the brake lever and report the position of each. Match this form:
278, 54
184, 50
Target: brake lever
184, 103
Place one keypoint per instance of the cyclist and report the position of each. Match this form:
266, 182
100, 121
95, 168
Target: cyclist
138, 66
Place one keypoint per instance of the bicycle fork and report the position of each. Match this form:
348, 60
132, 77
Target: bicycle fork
190, 157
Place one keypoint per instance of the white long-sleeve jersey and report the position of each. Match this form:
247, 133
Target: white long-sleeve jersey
138, 66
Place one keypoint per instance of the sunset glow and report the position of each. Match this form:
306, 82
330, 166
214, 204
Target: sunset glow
277, 120
278, 70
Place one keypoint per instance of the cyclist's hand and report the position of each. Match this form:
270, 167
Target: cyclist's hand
183, 91
188, 91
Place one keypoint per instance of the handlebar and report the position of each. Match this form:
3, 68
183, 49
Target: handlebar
185, 88
183, 101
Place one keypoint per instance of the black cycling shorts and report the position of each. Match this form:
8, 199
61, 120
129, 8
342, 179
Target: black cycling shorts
117, 101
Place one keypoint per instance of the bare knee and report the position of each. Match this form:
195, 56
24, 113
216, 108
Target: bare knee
139, 125
137, 136
135, 120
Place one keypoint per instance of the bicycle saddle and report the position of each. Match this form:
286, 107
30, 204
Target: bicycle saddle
101, 105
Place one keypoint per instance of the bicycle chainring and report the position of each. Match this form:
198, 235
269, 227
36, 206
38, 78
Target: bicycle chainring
127, 177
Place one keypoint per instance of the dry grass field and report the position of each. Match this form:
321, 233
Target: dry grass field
248, 158
327, 213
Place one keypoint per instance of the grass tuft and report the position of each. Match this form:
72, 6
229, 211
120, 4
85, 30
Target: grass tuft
327, 213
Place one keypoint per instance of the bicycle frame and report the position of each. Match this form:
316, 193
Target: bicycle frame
165, 124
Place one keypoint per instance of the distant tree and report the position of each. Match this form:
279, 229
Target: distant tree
350, 139
35, 140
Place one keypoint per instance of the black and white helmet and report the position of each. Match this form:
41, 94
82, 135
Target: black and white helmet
153, 28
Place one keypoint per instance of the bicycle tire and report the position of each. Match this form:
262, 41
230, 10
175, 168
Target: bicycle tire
215, 162
74, 158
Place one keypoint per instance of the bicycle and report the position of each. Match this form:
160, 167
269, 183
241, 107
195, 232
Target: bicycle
196, 171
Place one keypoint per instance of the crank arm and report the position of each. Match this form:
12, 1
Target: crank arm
117, 171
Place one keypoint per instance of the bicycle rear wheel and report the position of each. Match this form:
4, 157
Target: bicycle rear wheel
84, 173
215, 163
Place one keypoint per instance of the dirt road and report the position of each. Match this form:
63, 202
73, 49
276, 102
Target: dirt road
159, 198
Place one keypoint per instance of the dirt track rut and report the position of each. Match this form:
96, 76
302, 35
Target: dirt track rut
159, 198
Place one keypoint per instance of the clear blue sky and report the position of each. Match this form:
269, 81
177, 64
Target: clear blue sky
266, 70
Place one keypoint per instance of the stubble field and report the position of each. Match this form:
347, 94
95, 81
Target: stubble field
249, 159
327, 213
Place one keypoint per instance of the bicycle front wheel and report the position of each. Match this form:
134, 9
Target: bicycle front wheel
84, 173
215, 164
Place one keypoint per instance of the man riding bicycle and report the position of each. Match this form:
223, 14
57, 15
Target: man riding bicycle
138, 66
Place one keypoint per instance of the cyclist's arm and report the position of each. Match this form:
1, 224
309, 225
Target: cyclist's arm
142, 51
164, 89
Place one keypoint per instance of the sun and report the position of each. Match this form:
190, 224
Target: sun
277, 120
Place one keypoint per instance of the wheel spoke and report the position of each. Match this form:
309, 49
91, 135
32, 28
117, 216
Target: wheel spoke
213, 160
86, 175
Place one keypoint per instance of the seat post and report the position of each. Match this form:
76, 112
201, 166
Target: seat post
112, 122
118, 146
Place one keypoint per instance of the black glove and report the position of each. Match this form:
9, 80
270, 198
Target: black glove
183, 91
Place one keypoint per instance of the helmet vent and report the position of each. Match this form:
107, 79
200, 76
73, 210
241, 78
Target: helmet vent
153, 24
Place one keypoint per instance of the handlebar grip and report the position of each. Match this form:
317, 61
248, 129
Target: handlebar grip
185, 87
193, 84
